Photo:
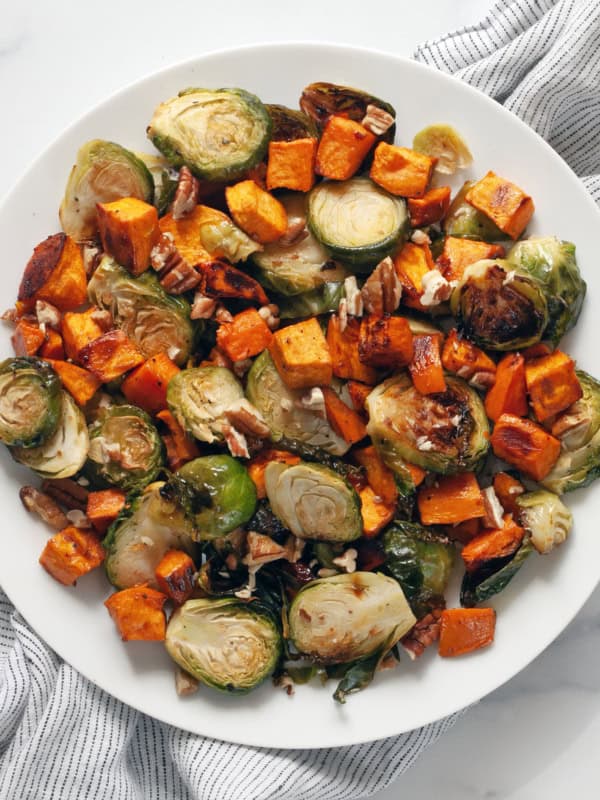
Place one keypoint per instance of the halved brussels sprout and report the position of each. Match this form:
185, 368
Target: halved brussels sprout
165, 180
140, 536
444, 143
314, 502
357, 220
219, 134
224, 643
346, 617
290, 124
156, 321
30, 400
578, 429
320, 100
65, 452
552, 262
500, 306
199, 397
310, 304
463, 220
298, 267
283, 412
104, 171
446, 432
222, 239
546, 518
125, 449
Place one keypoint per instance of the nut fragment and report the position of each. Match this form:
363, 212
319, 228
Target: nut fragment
270, 314
424, 633
66, 492
235, 441
377, 120
91, 254
44, 506
382, 290
493, 509
203, 307
313, 400
185, 684
162, 251
78, 518
420, 237
186, 194
354, 300
262, 549
247, 419
47, 314
295, 233
178, 276
347, 561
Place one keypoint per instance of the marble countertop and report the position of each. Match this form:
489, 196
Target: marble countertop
536, 738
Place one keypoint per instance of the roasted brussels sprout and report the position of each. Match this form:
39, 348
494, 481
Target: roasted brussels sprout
199, 397
283, 412
290, 124
142, 534
30, 399
104, 171
444, 433
313, 501
546, 518
219, 134
552, 262
310, 304
65, 452
155, 321
444, 143
222, 239
320, 100
224, 643
500, 307
464, 220
301, 266
346, 617
165, 180
125, 449
494, 576
356, 220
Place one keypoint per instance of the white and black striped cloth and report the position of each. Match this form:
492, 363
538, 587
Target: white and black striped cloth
61, 738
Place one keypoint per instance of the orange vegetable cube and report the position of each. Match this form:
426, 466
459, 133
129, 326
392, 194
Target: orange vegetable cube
70, 554
146, 386
525, 445
358, 394
343, 348
187, 232
463, 630
79, 382
257, 466
508, 394
385, 342
245, 336
291, 165
53, 346
509, 207
301, 355
508, 489
463, 358
184, 448
380, 477
456, 498
138, 613
342, 148
110, 356
256, 212
401, 171
411, 264
376, 514
464, 531
78, 330
55, 273
417, 474
129, 230
175, 574
458, 254
426, 366
27, 338
552, 384
220, 280
103, 507
493, 543
344, 420
430, 208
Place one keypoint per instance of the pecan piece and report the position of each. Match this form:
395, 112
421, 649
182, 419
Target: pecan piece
247, 419
203, 307
295, 233
436, 288
185, 684
44, 506
179, 276
377, 120
424, 633
66, 492
236, 441
382, 290
47, 315
186, 194
270, 314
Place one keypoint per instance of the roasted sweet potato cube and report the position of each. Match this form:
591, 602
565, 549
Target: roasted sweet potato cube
186, 233
55, 273
464, 531
508, 489
380, 477
291, 165
129, 230
257, 466
71, 553
343, 348
426, 365
411, 264
27, 338
401, 171
508, 394
342, 148
222, 281
460, 253
552, 384
462, 357
493, 543
245, 336
256, 212
508, 206
53, 346
430, 208
455, 498
146, 385
463, 630
175, 575
375, 512
110, 356
344, 420
525, 445
385, 342
358, 394
79, 382
183, 447
301, 355
103, 507
138, 613
78, 330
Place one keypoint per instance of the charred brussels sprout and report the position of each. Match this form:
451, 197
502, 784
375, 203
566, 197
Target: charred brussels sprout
298, 267
104, 171
155, 321
320, 100
289, 124
500, 307
125, 449
445, 433
199, 397
356, 220
323, 300
30, 400
463, 220
444, 143
546, 518
283, 412
141, 535
347, 617
219, 134
224, 643
65, 452
552, 262
314, 502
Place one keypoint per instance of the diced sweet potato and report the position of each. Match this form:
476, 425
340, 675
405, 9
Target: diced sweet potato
110, 356
385, 342
186, 232
184, 447
508, 394
458, 254
70, 554
343, 348
53, 346
78, 330
27, 338
175, 575
466, 360
291, 165
358, 394
411, 264
380, 477
401, 171
257, 466
138, 613
256, 212
376, 514
146, 386
426, 365
55, 273
129, 230
552, 384
342, 148
245, 336
103, 507
430, 208
525, 445
493, 543
344, 420
79, 382
222, 281
508, 206
464, 531
463, 630
301, 355
456, 498
508, 489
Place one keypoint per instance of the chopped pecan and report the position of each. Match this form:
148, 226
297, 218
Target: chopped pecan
78, 518
11, 316
162, 252
222, 314
203, 307
236, 441
420, 237
270, 314
185, 684
424, 633
66, 492
572, 426
44, 506
382, 290
313, 400
347, 561
295, 233
262, 549
436, 288
103, 318
493, 509
186, 194
179, 276
377, 120
47, 315
247, 419
91, 254
354, 301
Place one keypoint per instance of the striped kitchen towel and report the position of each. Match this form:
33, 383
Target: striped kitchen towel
62, 738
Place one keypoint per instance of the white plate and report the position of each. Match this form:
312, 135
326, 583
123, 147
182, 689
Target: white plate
531, 612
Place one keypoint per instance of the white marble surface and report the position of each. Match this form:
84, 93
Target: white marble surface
537, 737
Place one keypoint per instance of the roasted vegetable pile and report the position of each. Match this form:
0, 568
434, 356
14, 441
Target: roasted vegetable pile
281, 384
